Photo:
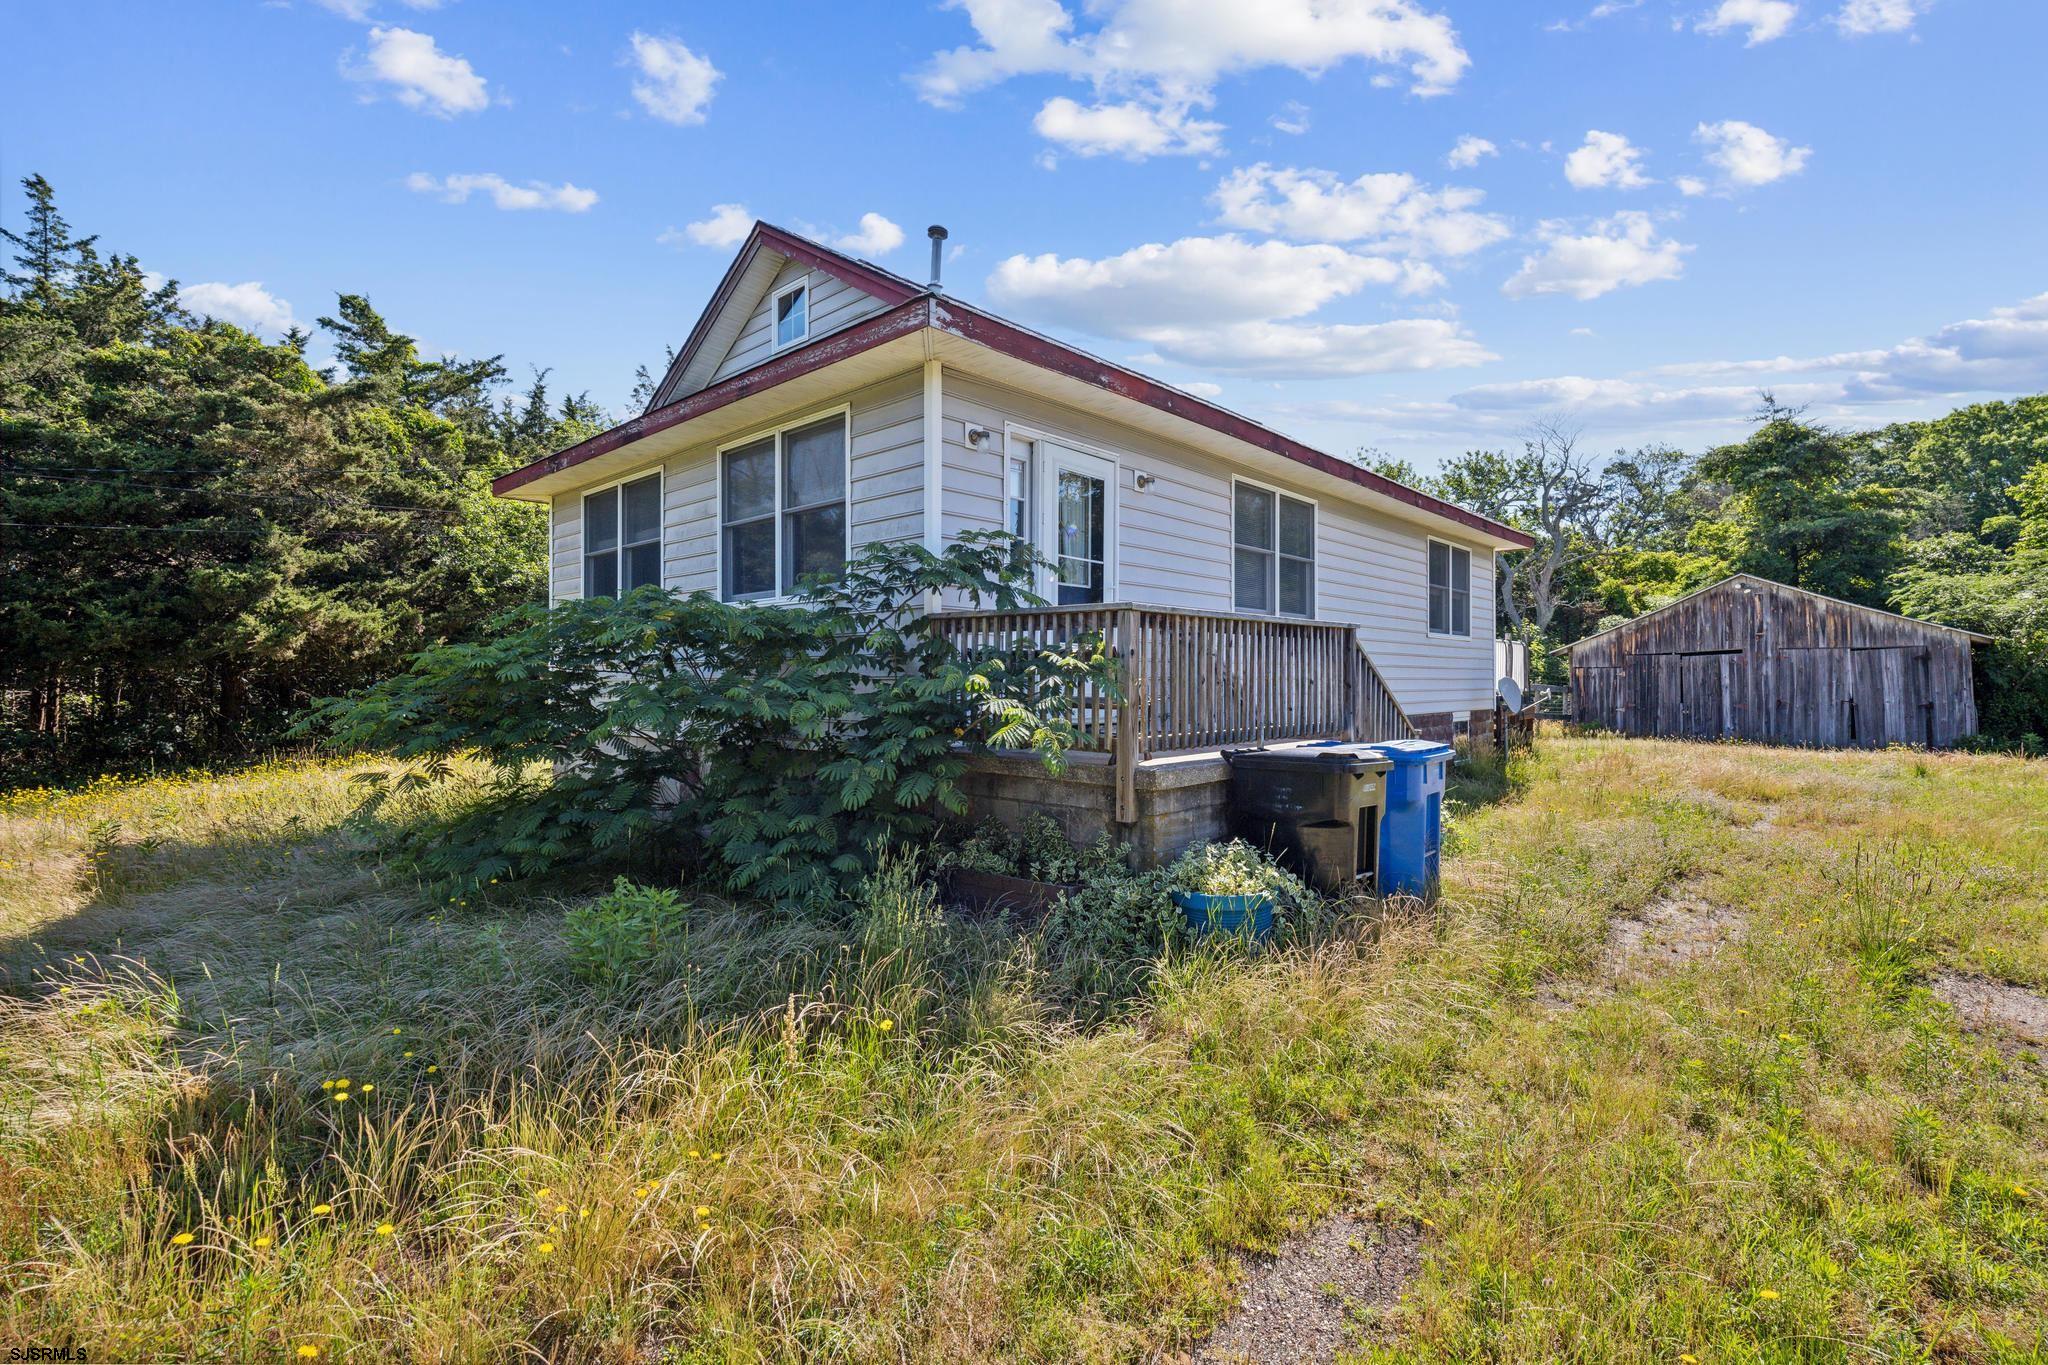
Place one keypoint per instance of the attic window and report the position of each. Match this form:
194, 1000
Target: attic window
793, 314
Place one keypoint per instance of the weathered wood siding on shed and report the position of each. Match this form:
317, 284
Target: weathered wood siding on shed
1748, 659
1173, 548
833, 304
885, 498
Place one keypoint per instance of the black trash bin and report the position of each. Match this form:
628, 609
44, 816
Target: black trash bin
1314, 806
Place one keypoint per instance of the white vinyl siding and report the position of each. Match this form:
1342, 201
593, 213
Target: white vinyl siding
1174, 542
885, 497
829, 305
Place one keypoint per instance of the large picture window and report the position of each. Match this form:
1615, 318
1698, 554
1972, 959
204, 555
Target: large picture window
1450, 589
783, 510
1275, 562
622, 538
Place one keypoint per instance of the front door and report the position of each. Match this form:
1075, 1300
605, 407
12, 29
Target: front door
1077, 521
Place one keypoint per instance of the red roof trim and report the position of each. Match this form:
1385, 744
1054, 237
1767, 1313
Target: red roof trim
891, 289
974, 325
905, 318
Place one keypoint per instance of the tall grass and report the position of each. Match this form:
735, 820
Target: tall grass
878, 1133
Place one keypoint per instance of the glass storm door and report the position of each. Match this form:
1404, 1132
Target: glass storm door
1077, 493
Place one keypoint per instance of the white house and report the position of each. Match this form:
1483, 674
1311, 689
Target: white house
822, 403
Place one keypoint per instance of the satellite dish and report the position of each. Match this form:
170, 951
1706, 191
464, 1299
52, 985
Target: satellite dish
1511, 693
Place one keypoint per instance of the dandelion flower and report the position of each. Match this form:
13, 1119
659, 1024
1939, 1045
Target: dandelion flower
1787, 1038
397, 1030
2021, 1191
694, 1154
718, 1156
583, 1213
183, 1239
408, 1054
341, 1083
366, 1089
886, 1025
340, 1095
433, 1068
260, 1243
640, 1192
1688, 1358
546, 1248
1767, 1293
385, 1229
542, 1193
1428, 1223
327, 1085
323, 1208
308, 1351
703, 1211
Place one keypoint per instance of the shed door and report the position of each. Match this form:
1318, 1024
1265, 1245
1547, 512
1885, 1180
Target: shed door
1692, 696
1891, 695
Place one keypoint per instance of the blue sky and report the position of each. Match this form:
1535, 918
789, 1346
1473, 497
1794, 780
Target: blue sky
1661, 206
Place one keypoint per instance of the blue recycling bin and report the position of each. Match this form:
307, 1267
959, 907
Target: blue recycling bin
1412, 823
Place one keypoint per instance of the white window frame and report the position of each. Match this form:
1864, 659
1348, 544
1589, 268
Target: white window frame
1429, 590
1046, 586
844, 411
776, 343
1315, 545
1017, 463
583, 495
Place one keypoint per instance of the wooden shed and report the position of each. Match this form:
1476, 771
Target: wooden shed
1751, 659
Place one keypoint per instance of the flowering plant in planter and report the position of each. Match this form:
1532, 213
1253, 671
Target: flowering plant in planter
1234, 887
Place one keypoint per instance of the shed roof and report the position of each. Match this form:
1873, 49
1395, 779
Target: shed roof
1676, 603
915, 307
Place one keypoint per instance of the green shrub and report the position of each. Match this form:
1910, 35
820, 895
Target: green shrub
1235, 868
794, 743
623, 930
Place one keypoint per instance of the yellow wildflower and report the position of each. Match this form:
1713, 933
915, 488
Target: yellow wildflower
2021, 1191
542, 1193
308, 1351
183, 1239
1688, 1358
433, 1068
703, 1211
1767, 1293
340, 1095
398, 1030
327, 1085
260, 1243
694, 1154
408, 1054
366, 1089
323, 1208
385, 1229
886, 1025
546, 1248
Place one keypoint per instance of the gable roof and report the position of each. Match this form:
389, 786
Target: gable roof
1678, 602
750, 273
910, 308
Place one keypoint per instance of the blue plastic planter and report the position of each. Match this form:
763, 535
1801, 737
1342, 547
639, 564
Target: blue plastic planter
1227, 914
1412, 826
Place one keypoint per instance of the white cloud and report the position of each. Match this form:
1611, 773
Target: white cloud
1765, 19
877, 237
1278, 350
1390, 210
1203, 389
1748, 156
1619, 251
1606, 161
1166, 56
1293, 118
534, 194
1862, 17
727, 226
1224, 304
1129, 129
676, 83
1470, 151
1691, 186
419, 74
247, 305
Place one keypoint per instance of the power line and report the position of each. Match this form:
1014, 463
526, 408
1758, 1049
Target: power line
118, 526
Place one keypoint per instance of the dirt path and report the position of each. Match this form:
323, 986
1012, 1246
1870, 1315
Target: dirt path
1321, 1293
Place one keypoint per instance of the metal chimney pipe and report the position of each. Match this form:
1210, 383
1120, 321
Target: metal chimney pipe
938, 236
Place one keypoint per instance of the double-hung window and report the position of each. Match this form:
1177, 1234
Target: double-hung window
622, 538
1017, 492
1275, 541
783, 510
1450, 589
793, 315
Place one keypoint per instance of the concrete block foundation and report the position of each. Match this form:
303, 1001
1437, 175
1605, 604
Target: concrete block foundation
1182, 801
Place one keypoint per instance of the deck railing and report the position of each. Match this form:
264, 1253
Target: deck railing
1197, 680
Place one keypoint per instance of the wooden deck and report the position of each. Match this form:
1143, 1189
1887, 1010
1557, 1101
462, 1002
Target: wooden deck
1196, 681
